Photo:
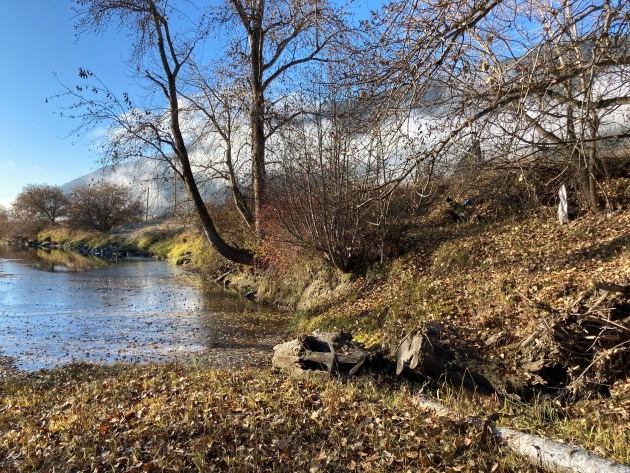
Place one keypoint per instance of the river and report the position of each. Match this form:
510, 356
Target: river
58, 307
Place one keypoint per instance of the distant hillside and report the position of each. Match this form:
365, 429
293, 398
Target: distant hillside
152, 177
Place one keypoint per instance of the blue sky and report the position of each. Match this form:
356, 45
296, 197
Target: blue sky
37, 40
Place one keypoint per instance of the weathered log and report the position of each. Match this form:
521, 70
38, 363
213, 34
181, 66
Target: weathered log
425, 353
420, 356
322, 353
288, 357
539, 451
610, 287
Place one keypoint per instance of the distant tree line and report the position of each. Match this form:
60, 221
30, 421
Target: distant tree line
99, 207
330, 131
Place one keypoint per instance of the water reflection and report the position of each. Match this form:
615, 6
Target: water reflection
135, 310
52, 260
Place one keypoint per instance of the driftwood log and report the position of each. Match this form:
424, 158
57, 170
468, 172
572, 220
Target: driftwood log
539, 451
426, 353
574, 353
420, 356
323, 354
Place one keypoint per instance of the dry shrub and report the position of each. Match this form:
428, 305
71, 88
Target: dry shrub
231, 225
279, 251
503, 190
102, 207
350, 228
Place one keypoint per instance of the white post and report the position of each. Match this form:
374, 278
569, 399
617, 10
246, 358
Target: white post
563, 208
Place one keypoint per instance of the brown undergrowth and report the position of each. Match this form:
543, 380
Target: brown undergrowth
491, 285
485, 279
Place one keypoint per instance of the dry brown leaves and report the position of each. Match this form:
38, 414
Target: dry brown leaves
174, 418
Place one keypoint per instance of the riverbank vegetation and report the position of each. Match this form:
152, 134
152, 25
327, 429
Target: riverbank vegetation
488, 284
471, 172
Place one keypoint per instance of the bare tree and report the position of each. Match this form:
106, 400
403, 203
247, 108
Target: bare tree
5, 222
159, 60
339, 169
517, 78
583, 60
272, 39
221, 126
263, 43
41, 202
102, 207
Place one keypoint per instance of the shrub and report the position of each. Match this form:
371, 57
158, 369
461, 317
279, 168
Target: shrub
102, 207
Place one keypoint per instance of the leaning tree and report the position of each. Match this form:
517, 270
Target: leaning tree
165, 40
256, 51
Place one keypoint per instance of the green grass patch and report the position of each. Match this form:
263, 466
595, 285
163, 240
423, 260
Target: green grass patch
451, 256
173, 242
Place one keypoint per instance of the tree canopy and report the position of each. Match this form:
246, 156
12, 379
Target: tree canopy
41, 203
297, 101
102, 207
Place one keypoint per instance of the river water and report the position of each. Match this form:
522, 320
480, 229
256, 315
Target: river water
58, 307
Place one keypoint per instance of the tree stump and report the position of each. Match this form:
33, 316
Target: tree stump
322, 354
423, 352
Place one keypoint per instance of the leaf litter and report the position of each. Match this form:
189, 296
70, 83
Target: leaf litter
500, 283
175, 417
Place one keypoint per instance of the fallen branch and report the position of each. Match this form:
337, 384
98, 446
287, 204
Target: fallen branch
221, 278
539, 451
533, 337
611, 287
604, 354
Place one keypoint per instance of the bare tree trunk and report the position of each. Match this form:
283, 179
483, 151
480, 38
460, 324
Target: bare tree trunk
257, 118
163, 40
587, 181
592, 199
239, 199
258, 159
